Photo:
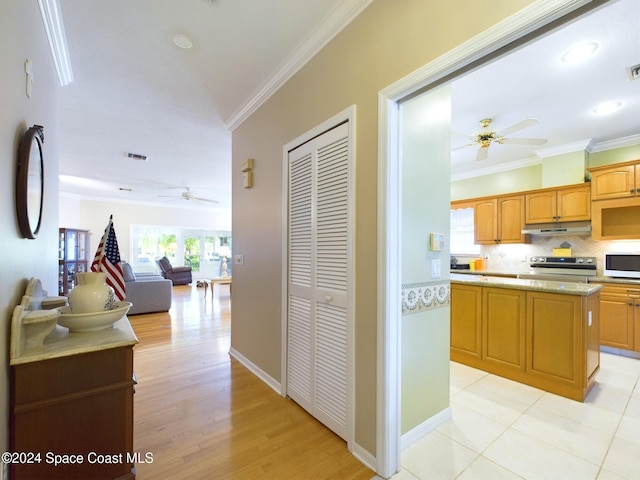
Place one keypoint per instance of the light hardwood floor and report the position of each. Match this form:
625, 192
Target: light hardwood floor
202, 415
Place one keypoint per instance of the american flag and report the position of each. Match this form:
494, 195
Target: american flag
107, 260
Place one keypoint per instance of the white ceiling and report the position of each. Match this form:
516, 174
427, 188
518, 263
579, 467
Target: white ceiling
135, 91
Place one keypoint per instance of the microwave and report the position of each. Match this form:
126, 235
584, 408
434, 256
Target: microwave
619, 264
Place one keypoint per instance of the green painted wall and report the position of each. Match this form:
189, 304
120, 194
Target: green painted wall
565, 169
518, 180
425, 209
624, 154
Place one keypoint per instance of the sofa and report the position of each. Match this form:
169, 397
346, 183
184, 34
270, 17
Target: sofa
178, 275
148, 292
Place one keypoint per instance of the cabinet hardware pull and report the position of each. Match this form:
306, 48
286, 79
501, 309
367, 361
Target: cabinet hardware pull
632, 191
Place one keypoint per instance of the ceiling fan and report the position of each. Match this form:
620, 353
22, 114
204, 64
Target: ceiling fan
189, 195
486, 137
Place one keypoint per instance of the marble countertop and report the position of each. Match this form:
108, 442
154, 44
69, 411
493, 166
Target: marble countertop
567, 288
596, 279
630, 281
61, 342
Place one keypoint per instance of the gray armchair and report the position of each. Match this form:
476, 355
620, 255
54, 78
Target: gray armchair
177, 275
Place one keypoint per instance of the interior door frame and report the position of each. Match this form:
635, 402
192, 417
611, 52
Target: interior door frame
504, 37
347, 116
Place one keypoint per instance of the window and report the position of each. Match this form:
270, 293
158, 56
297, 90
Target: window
462, 232
199, 249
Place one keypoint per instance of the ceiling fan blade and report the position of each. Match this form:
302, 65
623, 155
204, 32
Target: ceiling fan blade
464, 135
519, 126
483, 153
463, 146
204, 200
524, 141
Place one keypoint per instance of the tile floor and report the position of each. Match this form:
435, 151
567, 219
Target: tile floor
505, 430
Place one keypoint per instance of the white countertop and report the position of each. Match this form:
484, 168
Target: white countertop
61, 342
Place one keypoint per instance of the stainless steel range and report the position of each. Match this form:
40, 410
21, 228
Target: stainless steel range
561, 269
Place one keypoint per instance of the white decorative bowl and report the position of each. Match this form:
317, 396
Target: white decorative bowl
90, 322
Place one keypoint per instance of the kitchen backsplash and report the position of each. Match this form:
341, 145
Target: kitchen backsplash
514, 258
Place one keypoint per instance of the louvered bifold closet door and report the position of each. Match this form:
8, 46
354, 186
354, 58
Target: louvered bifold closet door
300, 302
319, 236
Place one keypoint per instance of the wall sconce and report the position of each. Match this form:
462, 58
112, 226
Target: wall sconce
247, 173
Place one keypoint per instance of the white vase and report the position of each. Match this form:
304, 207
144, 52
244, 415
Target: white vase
91, 294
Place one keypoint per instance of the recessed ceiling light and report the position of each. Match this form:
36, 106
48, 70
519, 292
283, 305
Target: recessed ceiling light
607, 107
579, 52
183, 41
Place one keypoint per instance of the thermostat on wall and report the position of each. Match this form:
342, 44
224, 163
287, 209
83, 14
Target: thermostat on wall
437, 242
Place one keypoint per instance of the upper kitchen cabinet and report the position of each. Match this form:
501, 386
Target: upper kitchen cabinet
615, 191
621, 180
500, 220
564, 204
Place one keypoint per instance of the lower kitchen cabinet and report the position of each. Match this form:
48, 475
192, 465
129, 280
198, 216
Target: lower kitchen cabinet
620, 316
503, 328
466, 320
546, 340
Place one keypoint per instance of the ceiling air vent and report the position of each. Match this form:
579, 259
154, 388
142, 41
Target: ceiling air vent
634, 72
137, 156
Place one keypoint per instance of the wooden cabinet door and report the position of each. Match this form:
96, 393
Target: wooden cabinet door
574, 204
486, 221
466, 321
636, 325
555, 337
511, 220
541, 207
616, 320
503, 327
614, 183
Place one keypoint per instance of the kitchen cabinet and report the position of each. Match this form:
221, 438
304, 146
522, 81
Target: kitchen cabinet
563, 347
620, 316
566, 204
540, 338
617, 219
615, 195
503, 328
466, 320
500, 220
80, 405
621, 180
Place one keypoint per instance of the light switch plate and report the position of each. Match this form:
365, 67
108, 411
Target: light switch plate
238, 260
435, 268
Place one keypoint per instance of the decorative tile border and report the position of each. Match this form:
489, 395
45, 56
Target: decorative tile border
418, 297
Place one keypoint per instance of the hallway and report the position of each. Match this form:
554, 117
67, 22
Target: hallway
202, 415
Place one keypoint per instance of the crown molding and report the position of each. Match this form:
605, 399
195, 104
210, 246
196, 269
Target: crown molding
54, 28
333, 24
571, 147
630, 141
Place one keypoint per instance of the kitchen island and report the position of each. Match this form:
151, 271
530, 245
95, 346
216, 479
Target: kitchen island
541, 333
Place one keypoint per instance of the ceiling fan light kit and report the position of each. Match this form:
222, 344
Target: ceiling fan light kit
487, 137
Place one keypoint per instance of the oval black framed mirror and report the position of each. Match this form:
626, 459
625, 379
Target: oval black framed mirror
30, 182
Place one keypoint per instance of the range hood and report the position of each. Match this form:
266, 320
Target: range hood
549, 229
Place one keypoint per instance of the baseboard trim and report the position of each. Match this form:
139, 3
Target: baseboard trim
425, 428
257, 371
366, 458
